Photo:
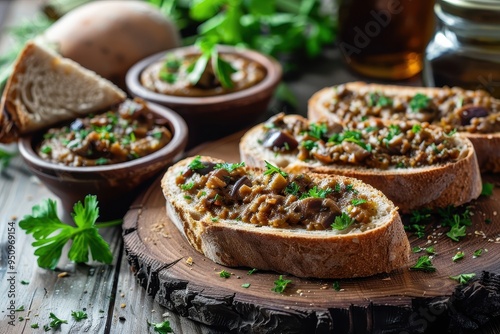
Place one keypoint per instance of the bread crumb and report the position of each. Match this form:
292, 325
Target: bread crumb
122, 295
13, 217
63, 274
123, 305
189, 261
287, 307
299, 291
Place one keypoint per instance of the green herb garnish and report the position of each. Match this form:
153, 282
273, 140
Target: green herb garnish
79, 315
416, 128
316, 192
358, 201
419, 101
20, 308
317, 131
245, 285
56, 322
271, 169
46, 149
336, 286
34, 326
280, 284
251, 271
292, 189
44, 224
196, 163
309, 144
478, 252
458, 256
463, 278
187, 186
224, 274
342, 222
161, 327
456, 232
229, 166
101, 161
423, 264
487, 189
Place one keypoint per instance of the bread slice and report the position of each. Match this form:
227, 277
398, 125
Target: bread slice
475, 114
425, 176
45, 88
375, 243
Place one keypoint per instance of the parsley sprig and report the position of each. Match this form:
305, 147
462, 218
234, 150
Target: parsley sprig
161, 327
230, 167
423, 264
51, 234
352, 136
271, 169
463, 278
342, 222
280, 284
419, 101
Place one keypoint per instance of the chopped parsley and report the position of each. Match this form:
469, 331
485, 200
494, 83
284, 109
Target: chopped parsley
35, 325
251, 271
350, 136
245, 285
224, 274
336, 286
463, 278
416, 128
423, 264
56, 322
215, 219
271, 169
20, 308
487, 189
23, 282
316, 192
379, 100
342, 222
394, 130
451, 133
292, 189
429, 250
79, 315
161, 327
358, 201
196, 163
419, 101
46, 149
418, 216
101, 161
187, 186
230, 167
458, 256
317, 131
456, 232
478, 252
309, 144
280, 284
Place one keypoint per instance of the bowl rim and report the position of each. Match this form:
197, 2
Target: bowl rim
175, 147
272, 78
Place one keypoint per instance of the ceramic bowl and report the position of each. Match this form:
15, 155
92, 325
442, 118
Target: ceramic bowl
213, 116
115, 185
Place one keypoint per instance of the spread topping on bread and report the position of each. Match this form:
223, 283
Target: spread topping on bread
371, 143
274, 198
451, 108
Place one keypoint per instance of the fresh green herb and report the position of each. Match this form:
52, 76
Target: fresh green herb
456, 232
394, 130
43, 223
56, 322
224, 274
416, 128
430, 250
337, 188
316, 192
46, 328
161, 327
418, 216
79, 315
352, 136
280, 284
222, 69
342, 222
487, 189
451, 133
101, 161
417, 249
349, 188
371, 129
379, 100
251, 271
46, 149
336, 286
187, 186
271, 169
417, 229
196, 163
458, 256
5, 159
245, 285
20, 308
23, 282
229, 166
423, 264
309, 144
463, 278
487, 220
478, 252
292, 189
157, 135
168, 76
419, 101
21, 318
317, 131
358, 201
435, 148
215, 219
34, 326
188, 197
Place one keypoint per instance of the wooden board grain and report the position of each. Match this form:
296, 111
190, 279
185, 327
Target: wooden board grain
387, 303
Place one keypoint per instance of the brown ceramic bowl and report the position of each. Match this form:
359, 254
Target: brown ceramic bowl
213, 116
115, 185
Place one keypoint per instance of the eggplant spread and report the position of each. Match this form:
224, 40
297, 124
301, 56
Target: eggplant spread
274, 198
173, 76
127, 133
369, 144
450, 108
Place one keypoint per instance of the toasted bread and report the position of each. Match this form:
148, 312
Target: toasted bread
45, 89
414, 180
225, 232
475, 114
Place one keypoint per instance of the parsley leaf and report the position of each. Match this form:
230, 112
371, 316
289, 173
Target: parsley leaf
309, 144
79, 315
419, 101
43, 223
317, 131
280, 284
5, 158
342, 222
423, 264
379, 100
478, 252
336, 286
229, 166
458, 256
292, 189
487, 189
56, 322
350, 136
316, 192
416, 128
222, 69
224, 274
251, 271
358, 201
161, 327
245, 285
456, 232
187, 186
196, 163
271, 169
463, 278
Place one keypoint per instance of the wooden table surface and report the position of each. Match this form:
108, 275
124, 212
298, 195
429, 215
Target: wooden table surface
109, 294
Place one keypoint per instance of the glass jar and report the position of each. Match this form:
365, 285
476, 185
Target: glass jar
385, 39
465, 50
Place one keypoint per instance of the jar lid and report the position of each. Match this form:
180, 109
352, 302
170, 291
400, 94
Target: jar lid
480, 11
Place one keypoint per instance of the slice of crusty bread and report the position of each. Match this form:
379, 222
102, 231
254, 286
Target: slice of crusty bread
435, 186
485, 144
45, 88
304, 253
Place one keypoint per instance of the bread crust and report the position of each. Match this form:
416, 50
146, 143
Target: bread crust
319, 254
486, 145
411, 188
45, 89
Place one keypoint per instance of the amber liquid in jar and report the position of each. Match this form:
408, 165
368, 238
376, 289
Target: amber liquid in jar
385, 39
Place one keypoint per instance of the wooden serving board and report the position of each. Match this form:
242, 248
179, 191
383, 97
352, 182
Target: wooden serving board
402, 301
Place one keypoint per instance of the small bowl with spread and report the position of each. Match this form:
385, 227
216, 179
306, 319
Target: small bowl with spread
215, 104
113, 154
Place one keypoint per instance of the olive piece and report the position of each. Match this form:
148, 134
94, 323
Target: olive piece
320, 210
281, 140
468, 112
238, 184
76, 125
209, 166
